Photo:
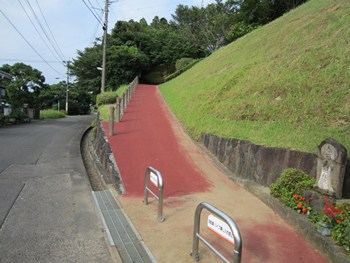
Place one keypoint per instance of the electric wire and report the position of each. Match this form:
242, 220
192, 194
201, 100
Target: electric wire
29, 60
94, 8
29, 43
98, 3
53, 37
36, 29
94, 35
42, 28
101, 23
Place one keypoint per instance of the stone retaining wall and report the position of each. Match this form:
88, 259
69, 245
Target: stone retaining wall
262, 164
101, 149
104, 158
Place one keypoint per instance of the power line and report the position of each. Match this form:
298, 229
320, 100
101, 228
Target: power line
29, 60
42, 28
93, 37
99, 4
36, 29
92, 12
42, 14
29, 43
95, 12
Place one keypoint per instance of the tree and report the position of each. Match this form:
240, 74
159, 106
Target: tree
25, 87
84, 67
260, 12
80, 100
205, 27
124, 64
132, 48
53, 94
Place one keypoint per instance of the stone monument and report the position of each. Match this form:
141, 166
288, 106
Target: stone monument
331, 165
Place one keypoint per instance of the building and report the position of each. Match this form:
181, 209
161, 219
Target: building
4, 106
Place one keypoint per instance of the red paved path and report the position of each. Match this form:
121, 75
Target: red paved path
144, 138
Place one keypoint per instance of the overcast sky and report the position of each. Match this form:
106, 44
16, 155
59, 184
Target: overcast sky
69, 26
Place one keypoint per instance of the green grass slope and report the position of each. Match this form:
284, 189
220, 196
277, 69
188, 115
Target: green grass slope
286, 84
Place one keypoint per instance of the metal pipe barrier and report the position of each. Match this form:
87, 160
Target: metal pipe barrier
156, 178
227, 229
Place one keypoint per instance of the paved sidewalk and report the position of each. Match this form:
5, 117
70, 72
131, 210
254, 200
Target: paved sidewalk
149, 135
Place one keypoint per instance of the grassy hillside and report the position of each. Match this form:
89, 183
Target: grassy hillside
286, 84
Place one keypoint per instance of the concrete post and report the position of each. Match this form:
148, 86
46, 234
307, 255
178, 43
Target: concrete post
122, 105
117, 110
111, 121
128, 94
98, 125
124, 100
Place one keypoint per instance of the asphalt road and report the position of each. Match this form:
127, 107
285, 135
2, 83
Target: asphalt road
47, 213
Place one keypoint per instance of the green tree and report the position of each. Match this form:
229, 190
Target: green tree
53, 95
85, 68
124, 63
260, 12
205, 27
25, 87
79, 100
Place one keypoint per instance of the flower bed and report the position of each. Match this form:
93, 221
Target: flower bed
290, 190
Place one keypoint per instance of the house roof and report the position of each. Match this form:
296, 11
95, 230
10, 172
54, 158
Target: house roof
4, 75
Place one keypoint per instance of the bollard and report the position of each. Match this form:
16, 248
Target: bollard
129, 94
124, 100
122, 105
111, 121
98, 125
156, 178
222, 225
117, 110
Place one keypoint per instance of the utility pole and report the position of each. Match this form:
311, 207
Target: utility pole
103, 78
67, 89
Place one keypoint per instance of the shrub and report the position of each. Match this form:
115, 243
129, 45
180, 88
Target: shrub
240, 29
341, 231
183, 62
182, 70
18, 115
291, 182
51, 114
108, 97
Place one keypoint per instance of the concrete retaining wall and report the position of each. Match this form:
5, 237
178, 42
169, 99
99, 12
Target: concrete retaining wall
262, 164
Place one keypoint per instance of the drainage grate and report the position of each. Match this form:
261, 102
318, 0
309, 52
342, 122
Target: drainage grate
121, 232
